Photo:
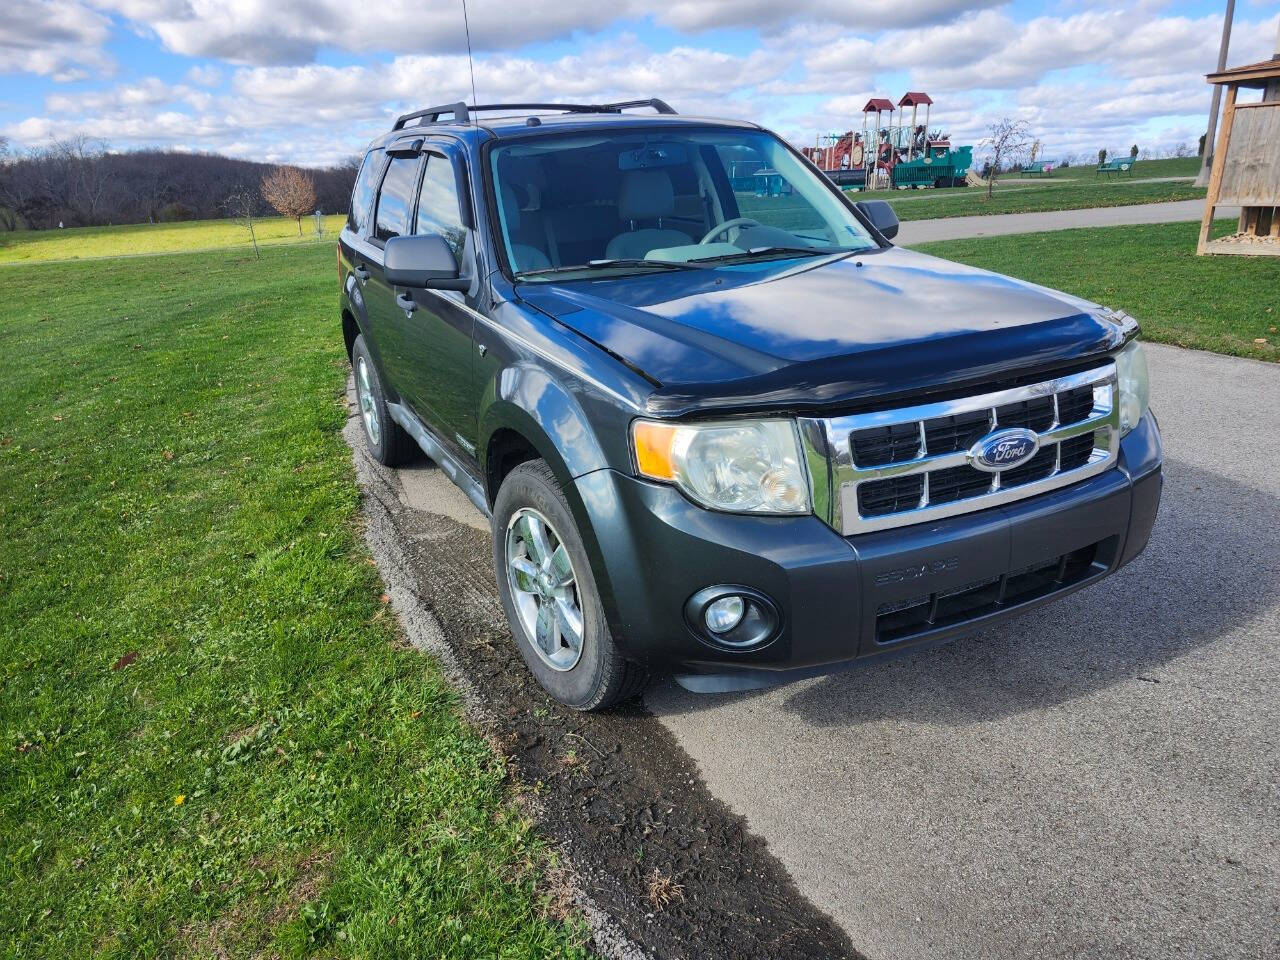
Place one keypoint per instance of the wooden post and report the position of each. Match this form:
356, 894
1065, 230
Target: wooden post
1219, 162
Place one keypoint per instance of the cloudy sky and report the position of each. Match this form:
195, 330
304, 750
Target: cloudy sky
310, 81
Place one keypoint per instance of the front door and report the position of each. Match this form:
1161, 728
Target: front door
438, 335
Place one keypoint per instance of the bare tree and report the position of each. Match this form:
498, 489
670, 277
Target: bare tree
1006, 144
245, 205
291, 192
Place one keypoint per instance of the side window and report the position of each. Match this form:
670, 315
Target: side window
438, 204
362, 193
396, 198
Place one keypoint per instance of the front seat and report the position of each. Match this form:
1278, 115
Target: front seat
645, 195
526, 257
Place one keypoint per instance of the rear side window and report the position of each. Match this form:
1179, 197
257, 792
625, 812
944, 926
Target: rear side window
438, 204
362, 194
396, 198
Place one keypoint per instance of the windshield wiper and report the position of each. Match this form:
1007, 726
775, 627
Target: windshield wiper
774, 251
609, 264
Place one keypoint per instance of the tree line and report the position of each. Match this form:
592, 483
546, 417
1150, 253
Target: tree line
81, 182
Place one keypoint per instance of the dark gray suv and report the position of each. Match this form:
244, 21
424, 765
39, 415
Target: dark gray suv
721, 425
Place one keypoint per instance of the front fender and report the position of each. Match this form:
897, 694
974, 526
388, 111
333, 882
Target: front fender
524, 397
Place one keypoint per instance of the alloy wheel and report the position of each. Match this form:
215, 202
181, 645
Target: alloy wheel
544, 589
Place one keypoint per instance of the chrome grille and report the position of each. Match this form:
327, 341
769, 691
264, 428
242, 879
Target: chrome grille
910, 465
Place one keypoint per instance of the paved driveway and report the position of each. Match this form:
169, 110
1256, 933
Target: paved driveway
1096, 779
955, 228
1099, 778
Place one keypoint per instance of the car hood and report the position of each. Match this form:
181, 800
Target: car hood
804, 333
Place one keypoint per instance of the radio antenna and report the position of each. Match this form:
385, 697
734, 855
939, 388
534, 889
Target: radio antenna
470, 63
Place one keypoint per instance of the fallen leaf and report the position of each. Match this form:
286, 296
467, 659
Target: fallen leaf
1259, 339
127, 659
384, 599
168, 454
57, 419
416, 714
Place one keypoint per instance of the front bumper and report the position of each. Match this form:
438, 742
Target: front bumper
846, 600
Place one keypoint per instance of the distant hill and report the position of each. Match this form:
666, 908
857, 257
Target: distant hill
79, 182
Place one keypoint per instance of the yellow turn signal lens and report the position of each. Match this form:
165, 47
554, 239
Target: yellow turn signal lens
653, 443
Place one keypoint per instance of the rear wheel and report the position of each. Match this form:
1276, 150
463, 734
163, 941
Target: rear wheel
387, 441
550, 595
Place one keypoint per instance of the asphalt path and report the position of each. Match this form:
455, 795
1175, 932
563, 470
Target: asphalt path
1098, 778
957, 228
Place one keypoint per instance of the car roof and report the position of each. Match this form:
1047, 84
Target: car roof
517, 124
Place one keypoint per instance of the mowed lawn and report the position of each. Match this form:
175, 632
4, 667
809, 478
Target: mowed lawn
82, 242
1226, 304
212, 741
1072, 188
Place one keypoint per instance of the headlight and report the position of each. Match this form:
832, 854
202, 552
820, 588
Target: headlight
1135, 385
743, 466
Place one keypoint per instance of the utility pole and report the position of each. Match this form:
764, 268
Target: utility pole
1206, 161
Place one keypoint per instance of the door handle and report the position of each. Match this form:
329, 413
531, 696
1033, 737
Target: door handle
360, 272
406, 303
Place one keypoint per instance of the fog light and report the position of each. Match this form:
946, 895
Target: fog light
724, 614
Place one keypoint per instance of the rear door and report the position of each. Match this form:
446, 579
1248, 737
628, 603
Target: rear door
439, 333
353, 243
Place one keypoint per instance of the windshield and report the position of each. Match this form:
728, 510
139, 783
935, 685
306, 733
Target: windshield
644, 200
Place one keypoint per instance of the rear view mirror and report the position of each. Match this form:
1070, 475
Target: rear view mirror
422, 262
881, 216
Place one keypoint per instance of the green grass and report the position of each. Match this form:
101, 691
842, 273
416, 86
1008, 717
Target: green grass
142, 238
1071, 189
1224, 304
212, 742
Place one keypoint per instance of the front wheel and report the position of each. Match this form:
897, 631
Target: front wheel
550, 596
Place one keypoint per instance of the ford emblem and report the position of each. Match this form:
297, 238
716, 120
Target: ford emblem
1004, 449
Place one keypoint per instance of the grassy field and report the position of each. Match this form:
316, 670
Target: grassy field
83, 242
1225, 304
1071, 189
211, 741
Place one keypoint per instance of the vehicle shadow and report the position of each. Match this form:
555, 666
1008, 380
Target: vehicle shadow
1213, 563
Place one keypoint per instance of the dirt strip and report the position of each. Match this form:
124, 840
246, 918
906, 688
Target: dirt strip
664, 868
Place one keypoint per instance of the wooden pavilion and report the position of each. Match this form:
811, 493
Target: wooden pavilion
1246, 163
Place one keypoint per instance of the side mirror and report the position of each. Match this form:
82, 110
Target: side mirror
422, 262
881, 216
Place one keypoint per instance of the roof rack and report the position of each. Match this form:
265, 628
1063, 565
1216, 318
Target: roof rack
461, 113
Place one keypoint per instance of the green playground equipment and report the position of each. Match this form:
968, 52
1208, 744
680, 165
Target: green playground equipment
939, 166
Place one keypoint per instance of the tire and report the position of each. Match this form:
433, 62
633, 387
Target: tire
388, 442
598, 676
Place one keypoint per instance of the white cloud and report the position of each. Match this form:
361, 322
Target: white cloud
266, 32
206, 76
1098, 75
53, 38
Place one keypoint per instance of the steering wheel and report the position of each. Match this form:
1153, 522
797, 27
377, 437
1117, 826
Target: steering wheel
740, 222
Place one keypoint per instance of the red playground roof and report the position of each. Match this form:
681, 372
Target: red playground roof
914, 98
876, 104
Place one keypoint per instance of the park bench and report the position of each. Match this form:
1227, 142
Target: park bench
1117, 165
1039, 168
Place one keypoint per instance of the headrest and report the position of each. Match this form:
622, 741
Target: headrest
510, 207
646, 195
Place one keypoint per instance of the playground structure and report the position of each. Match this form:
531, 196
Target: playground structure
892, 154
